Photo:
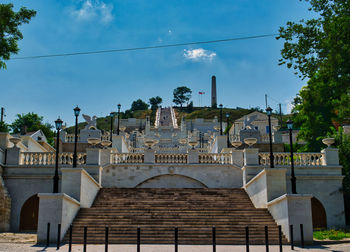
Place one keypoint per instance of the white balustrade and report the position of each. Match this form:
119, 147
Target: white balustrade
283, 158
49, 158
171, 158
70, 138
173, 118
215, 158
122, 158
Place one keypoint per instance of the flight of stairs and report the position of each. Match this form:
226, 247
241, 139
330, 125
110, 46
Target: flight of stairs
158, 211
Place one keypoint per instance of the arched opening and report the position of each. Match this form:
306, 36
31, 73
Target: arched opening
29, 215
171, 181
319, 217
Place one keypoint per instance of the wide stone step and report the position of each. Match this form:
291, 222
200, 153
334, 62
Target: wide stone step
158, 211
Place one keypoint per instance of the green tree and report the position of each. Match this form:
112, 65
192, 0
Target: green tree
32, 122
9, 32
155, 102
139, 105
319, 49
181, 95
4, 127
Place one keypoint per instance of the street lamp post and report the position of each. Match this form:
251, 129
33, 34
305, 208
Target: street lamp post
58, 124
76, 113
220, 119
293, 179
228, 130
118, 118
111, 135
269, 113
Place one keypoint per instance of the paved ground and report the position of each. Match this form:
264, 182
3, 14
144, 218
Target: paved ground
10, 247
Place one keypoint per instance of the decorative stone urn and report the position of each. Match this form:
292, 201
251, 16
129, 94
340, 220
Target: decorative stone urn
106, 143
93, 141
192, 143
122, 128
250, 141
182, 141
328, 142
15, 141
236, 144
149, 143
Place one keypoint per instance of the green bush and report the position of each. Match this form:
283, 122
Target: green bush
331, 234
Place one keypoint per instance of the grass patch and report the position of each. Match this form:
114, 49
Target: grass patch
331, 234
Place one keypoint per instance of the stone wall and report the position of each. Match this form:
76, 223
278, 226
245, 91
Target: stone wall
5, 206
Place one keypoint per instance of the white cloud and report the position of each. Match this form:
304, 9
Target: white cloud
199, 55
94, 9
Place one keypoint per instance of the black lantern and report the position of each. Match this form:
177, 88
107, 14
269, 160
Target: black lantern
269, 113
293, 178
220, 106
228, 130
119, 106
76, 114
111, 115
58, 124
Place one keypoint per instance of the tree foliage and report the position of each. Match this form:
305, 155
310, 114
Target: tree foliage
139, 105
32, 122
182, 95
155, 102
9, 32
4, 127
319, 49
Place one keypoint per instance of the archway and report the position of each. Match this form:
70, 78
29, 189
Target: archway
319, 217
29, 214
171, 181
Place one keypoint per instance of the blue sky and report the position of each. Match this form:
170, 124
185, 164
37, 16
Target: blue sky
245, 70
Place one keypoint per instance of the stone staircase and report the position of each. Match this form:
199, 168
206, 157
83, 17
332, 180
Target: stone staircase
158, 211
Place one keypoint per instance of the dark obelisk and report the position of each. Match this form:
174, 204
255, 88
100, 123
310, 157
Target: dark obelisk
213, 92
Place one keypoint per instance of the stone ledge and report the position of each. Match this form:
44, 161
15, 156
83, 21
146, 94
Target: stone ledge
287, 196
58, 195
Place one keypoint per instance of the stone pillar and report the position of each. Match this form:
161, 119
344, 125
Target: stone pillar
251, 156
220, 142
330, 156
193, 157
106, 156
120, 144
93, 156
55, 208
150, 157
237, 157
293, 209
13, 156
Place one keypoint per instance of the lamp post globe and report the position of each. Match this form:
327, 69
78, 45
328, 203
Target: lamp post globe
293, 178
76, 114
111, 115
220, 106
118, 131
58, 124
269, 113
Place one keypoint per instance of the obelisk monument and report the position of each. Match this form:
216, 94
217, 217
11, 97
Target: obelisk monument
213, 92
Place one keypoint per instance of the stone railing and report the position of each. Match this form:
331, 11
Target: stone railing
173, 118
265, 138
123, 158
137, 150
49, 158
70, 138
300, 159
156, 123
171, 158
215, 158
